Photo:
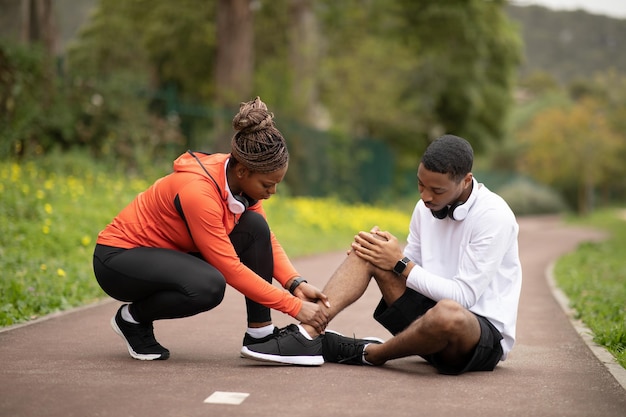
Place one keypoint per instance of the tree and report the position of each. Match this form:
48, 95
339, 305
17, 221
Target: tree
304, 58
234, 64
469, 52
573, 148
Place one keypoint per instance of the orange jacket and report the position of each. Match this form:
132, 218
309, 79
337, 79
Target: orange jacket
151, 220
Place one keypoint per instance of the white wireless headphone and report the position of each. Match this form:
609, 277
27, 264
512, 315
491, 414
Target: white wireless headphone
237, 204
459, 209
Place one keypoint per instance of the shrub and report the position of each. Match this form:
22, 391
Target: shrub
526, 198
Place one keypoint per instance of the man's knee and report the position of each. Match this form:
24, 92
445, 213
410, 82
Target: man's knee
447, 316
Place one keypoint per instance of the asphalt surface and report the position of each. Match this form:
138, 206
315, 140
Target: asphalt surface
72, 364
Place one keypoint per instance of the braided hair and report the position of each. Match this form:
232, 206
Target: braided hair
258, 144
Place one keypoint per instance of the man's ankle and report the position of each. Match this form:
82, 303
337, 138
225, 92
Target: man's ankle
309, 330
369, 357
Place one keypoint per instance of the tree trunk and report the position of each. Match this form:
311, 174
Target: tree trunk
234, 65
304, 41
38, 24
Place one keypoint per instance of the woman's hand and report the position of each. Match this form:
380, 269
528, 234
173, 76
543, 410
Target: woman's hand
313, 314
308, 292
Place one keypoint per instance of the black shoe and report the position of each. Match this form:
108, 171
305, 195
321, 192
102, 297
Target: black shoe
341, 349
289, 346
249, 340
139, 339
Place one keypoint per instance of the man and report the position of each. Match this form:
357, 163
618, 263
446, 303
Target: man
450, 296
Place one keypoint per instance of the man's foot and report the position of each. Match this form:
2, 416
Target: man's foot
349, 350
289, 347
139, 339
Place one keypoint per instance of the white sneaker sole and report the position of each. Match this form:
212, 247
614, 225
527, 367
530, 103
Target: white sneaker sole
285, 360
372, 338
135, 355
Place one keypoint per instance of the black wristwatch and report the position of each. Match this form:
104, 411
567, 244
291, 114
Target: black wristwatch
295, 284
401, 265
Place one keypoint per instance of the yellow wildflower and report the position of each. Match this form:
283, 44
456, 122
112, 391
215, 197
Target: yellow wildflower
86, 240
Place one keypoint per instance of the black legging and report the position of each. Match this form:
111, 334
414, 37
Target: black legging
167, 284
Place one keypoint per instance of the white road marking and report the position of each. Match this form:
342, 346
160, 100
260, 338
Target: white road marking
222, 397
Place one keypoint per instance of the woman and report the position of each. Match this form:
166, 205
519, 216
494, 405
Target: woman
171, 251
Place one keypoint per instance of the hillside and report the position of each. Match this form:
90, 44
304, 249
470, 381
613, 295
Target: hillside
570, 44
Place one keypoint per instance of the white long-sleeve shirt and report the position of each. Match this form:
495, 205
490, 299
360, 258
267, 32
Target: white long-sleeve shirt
474, 262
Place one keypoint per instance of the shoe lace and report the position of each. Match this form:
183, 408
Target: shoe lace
348, 351
146, 335
286, 331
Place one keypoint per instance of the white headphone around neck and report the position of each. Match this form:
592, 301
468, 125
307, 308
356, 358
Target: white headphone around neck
237, 204
458, 210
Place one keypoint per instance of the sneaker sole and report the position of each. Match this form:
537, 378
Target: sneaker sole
286, 360
135, 355
372, 338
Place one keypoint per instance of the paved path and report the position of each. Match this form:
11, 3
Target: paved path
74, 365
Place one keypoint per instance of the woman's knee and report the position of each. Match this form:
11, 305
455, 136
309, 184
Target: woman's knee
209, 293
254, 221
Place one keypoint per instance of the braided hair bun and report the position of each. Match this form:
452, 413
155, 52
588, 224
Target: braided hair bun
257, 143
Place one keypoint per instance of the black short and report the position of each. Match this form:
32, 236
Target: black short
411, 305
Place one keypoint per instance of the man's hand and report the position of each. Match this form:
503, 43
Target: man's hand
378, 247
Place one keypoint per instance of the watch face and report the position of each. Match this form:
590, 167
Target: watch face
399, 268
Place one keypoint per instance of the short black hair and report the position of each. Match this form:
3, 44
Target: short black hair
450, 155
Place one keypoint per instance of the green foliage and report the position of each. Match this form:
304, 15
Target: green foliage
54, 207
583, 134
52, 211
454, 75
594, 279
172, 42
37, 112
359, 82
469, 52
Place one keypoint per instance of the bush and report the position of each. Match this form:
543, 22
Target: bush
527, 198
41, 111
50, 218
30, 112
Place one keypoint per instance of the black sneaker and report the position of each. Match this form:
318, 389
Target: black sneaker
341, 349
289, 346
139, 339
249, 340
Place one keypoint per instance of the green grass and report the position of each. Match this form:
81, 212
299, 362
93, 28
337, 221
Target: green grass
594, 279
53, 208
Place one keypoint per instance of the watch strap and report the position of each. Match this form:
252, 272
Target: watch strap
295, 283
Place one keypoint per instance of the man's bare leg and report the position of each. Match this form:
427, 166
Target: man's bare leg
347, 284
447, 329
